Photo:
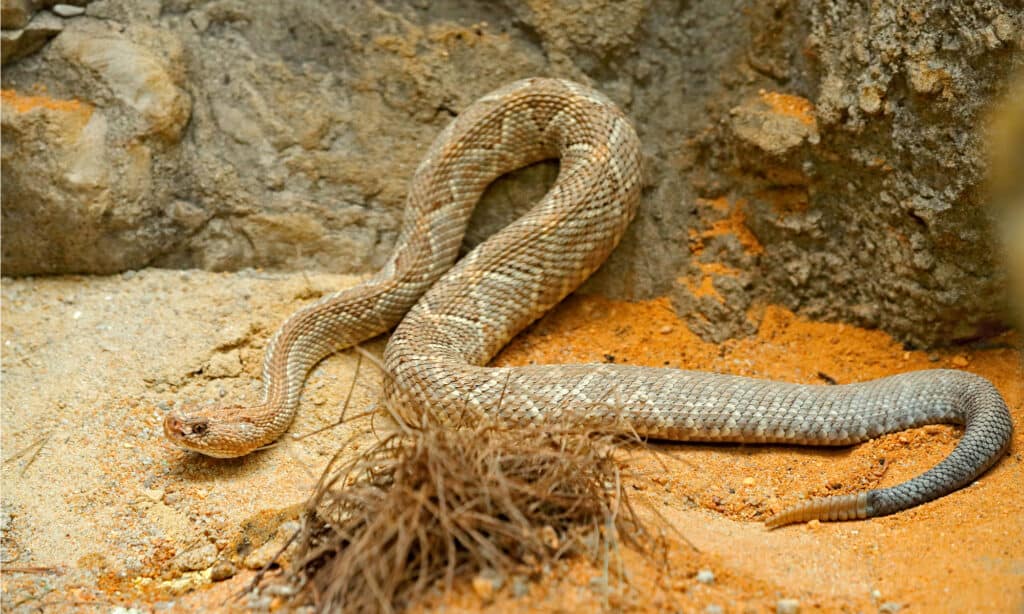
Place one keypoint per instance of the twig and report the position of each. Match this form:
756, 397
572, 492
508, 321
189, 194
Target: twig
36, 447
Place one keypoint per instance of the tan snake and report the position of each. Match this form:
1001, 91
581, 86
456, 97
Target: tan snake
456, 318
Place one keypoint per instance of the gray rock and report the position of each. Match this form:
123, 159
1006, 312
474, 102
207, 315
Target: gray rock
67, 10
138, 78
836, 170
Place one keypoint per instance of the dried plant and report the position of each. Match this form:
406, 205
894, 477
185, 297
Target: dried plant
432, 502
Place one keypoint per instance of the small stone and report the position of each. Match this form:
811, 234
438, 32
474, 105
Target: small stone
1004, 27
197, 558
890, 607
665, 330
483, 588
520, 587
903, 438
787, 606
262, 557
870, 100
222, 570
153, 494
713, 609
748, 481
960, 361
705, 576
68, 10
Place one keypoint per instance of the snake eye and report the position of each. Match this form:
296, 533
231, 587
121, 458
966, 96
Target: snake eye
198, 429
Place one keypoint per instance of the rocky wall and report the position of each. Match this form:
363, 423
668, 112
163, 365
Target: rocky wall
828, 156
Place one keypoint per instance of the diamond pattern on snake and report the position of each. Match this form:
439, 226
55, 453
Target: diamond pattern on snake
453, 317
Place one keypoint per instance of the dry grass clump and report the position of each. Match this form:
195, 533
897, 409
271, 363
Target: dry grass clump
432, 503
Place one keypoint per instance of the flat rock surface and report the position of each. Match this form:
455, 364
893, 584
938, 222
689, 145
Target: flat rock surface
99, 510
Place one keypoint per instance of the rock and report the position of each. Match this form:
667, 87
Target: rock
787, 606
520, 587
67, 10
87, 165
483, 588
775, 123
706, 576
264, 555
297, 150
15, 44
222, 570
198, 558
15, 14
136, 77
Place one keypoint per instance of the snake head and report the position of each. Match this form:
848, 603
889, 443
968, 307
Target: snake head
220, 432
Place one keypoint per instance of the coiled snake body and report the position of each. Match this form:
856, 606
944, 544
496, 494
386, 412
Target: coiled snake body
457, 317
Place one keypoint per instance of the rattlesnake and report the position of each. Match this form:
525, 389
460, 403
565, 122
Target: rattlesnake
456, 318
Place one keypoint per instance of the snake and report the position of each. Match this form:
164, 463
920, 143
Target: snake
452, 315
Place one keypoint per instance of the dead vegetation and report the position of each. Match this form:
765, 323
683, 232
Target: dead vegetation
434, 502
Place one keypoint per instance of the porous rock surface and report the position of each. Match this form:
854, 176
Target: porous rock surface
827, 156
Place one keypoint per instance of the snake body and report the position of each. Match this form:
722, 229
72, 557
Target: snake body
454, 319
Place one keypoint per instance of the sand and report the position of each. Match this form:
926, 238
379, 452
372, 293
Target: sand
99, 511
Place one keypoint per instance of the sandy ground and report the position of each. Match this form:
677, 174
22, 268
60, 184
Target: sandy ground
99, 511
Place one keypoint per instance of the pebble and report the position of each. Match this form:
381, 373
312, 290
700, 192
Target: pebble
486, 583
960, 361
748, 481
154, 494
890, 607
665, 330
520, 587
705, 576
714, 609
787, 606
67, 10
222, 570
